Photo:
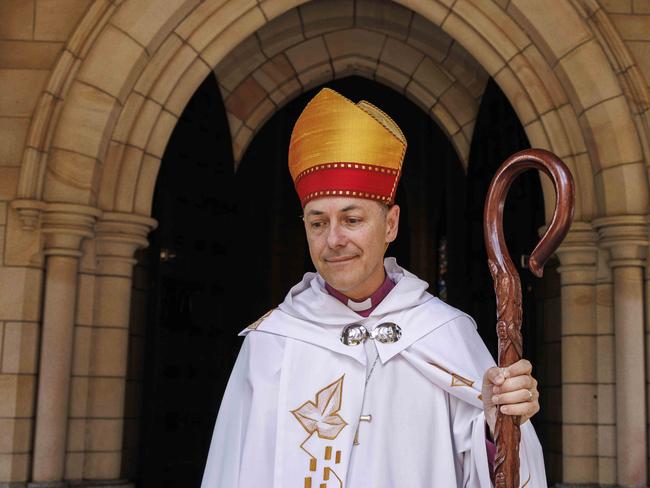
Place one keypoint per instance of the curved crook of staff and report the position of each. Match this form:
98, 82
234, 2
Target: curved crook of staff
507, 285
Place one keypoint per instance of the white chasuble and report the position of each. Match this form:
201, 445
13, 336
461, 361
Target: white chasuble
304, 410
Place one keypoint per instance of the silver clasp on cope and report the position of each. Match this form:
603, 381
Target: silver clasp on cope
386, 333
354, 334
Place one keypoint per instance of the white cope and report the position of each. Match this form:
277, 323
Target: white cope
293, 404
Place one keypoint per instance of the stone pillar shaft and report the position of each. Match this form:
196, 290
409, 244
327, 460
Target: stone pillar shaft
605, 372
118, 237
626, 239
630, 376
64, 227
54, 374
578, 302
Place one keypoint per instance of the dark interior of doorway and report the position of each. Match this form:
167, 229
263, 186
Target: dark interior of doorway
230, 244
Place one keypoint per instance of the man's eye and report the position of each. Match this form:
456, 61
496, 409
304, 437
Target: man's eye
353, 220
316, 225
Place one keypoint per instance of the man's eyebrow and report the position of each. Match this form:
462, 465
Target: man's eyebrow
350, 207
345, 209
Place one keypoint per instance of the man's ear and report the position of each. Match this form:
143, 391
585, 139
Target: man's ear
392, 223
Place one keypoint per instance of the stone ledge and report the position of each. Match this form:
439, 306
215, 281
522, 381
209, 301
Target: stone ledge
47, 484
102, 484
70, 484
582, 485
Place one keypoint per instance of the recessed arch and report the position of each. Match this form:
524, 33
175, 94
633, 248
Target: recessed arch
381, 41
109, 129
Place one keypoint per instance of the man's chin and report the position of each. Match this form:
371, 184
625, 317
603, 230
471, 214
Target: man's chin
339, 283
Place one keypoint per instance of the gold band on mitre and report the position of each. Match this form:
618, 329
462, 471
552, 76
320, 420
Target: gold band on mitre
339, 148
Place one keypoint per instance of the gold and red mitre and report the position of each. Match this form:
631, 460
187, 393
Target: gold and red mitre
339, 148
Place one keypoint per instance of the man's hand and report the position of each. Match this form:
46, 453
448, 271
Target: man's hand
512, 389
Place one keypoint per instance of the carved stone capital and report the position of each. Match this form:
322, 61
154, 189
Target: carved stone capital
578, 255
29, 212
118, 237
65, 226
625, 237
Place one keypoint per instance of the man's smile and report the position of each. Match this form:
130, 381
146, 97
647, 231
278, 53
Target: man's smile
340, 259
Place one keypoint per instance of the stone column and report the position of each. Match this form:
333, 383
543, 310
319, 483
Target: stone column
64, 228
647, 340
118, 236
577, 256
625, 237
605, 371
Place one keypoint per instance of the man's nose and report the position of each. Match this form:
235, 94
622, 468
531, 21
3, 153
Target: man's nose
336, 236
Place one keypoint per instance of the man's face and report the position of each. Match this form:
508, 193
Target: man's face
347, 239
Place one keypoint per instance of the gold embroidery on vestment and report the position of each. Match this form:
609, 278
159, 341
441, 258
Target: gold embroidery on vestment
456, 379
257, 323
322, 417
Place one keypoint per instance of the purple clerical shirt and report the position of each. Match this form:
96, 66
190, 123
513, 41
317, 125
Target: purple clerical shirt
375, 299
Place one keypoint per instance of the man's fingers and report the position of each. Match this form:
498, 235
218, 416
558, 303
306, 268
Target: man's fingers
521, 367
513, 390
515, 397
494, 376
517, 383
525, 410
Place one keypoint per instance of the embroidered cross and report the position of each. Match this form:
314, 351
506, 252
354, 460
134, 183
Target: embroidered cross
363, 418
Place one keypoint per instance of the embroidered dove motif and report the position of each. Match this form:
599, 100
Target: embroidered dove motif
322, 417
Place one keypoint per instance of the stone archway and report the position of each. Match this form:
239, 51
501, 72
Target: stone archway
161, 64
380, 41
97, 136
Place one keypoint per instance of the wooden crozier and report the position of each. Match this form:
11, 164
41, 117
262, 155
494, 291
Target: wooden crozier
508, 287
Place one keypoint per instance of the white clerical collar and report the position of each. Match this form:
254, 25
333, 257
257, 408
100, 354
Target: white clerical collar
363, 307
360, 306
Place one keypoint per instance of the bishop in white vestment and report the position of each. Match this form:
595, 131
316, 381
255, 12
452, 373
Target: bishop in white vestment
329, 393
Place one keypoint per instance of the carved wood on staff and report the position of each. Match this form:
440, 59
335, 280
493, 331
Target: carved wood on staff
508, 287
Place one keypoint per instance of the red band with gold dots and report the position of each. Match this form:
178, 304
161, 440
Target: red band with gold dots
347, 179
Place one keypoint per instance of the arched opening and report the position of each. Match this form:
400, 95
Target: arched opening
229, 246
190, 336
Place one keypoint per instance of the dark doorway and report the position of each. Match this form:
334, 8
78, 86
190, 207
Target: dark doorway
231, 243
190, 336
497, 135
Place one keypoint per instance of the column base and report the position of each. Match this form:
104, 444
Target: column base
582, 485
101, 484
47, 484
71, 484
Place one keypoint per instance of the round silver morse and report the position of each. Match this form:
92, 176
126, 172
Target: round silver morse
386, 333
354, 334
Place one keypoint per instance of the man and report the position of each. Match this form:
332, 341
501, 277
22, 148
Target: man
360, 378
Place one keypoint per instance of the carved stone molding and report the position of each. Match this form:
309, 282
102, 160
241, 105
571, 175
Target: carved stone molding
118, 237
578, 255
625, 237
29, 212
64, 227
